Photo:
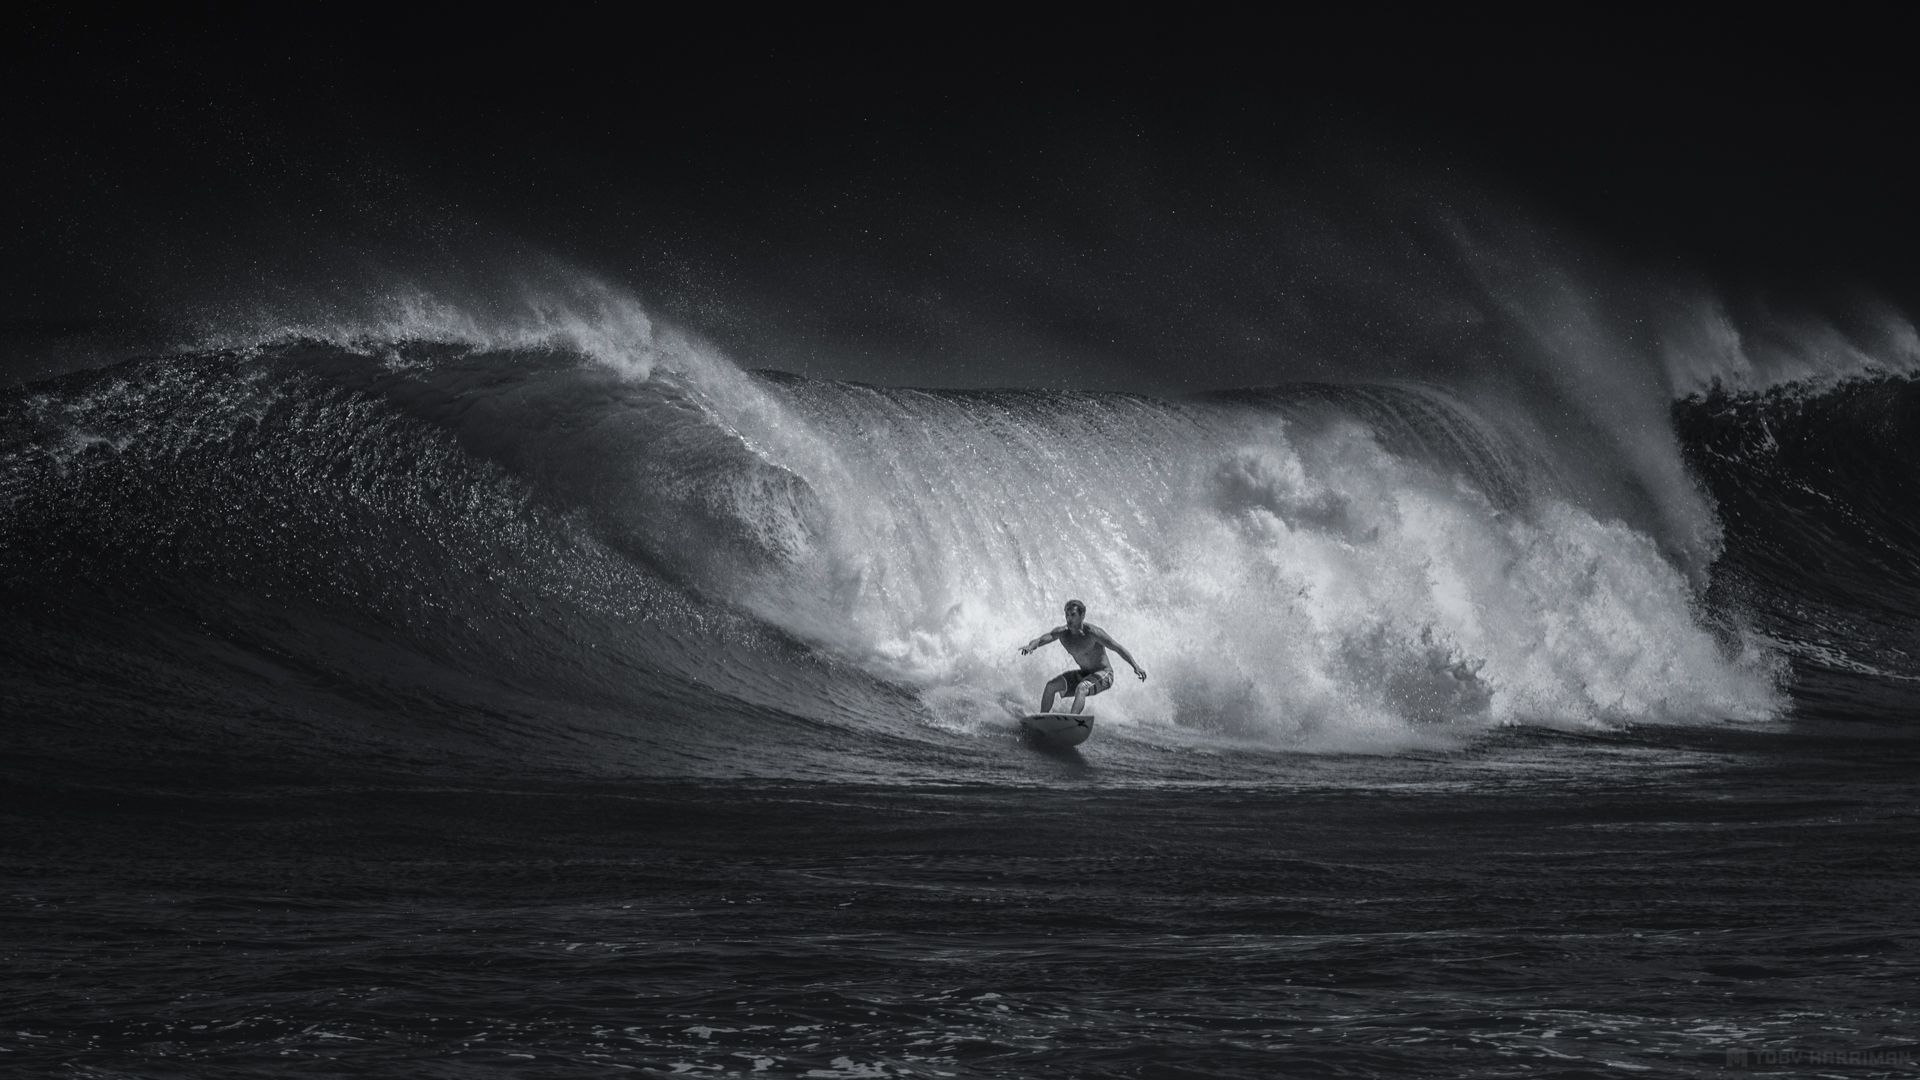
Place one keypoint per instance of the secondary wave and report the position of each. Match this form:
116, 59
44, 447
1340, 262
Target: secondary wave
1816, 482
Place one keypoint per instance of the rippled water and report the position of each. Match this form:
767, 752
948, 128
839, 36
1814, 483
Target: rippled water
1534, 908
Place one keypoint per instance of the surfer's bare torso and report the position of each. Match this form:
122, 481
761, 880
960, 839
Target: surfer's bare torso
1086, 645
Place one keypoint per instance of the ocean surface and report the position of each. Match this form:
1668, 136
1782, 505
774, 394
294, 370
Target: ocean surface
453, 697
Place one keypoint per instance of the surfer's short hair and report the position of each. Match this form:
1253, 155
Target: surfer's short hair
1071, 604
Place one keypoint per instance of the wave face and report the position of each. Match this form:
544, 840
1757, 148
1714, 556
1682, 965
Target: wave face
626, 555
1816, 484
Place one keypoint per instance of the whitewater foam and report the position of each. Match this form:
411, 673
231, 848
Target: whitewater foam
1292, 583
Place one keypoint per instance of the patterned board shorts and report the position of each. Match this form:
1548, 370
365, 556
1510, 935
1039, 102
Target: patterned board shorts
1096, 680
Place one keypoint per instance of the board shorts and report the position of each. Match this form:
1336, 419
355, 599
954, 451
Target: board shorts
1098, 680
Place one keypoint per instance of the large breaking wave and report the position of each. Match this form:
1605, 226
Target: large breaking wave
575, 539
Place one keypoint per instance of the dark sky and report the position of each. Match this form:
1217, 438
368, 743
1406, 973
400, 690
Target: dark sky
974, 200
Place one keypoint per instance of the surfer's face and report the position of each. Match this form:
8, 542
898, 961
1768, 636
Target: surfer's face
1075, 616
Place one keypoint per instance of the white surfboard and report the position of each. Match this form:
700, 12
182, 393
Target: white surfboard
1059, 729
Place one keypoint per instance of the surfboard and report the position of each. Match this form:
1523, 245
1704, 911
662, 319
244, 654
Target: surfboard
1059, 729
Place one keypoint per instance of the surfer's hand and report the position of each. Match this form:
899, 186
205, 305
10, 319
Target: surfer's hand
1140, 671
1025, 649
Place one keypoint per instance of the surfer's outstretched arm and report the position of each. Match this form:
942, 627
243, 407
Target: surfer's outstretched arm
1107, 640
1051, 635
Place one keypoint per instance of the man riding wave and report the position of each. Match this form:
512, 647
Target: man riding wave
1088, 644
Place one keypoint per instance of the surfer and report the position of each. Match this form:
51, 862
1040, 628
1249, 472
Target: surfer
1088, 644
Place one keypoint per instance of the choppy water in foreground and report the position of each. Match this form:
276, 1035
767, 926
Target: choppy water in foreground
1540, 907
